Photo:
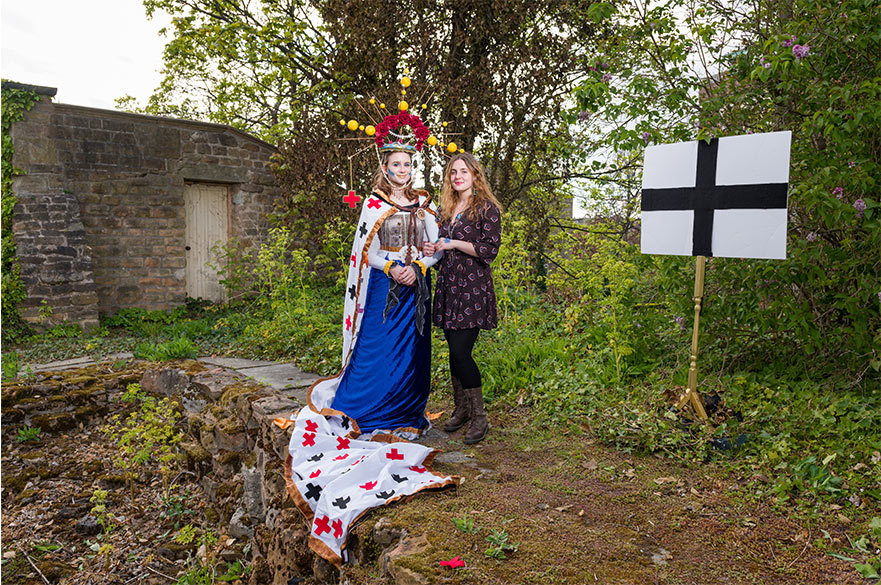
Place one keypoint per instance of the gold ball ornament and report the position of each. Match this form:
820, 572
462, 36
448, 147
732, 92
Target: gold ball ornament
403, 92
444, 124
370, 130
372, 101
405, 81
461, 150
342, 122
382, 106
432, 140
424, 106
361, 127
451, 147
353, 124
402, 105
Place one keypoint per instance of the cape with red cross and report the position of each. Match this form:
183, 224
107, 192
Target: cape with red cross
334, 477
374, 212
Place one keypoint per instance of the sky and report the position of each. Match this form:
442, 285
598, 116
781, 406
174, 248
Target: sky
93, 51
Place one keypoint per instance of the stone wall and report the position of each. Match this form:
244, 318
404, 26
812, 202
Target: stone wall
120, 180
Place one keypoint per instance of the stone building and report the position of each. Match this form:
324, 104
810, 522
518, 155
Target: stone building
122, 210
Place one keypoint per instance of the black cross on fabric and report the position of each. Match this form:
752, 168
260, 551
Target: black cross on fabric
352, 292
706, 196
341, 503
316, 457
313, 492
363, 229
398, 478
385, 495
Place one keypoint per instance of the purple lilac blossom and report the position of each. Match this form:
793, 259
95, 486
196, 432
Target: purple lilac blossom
789, 42
812, 236
860, 206
607, 78
851, 164
800, 51
646, 136
681, 322
584, 116
838, 192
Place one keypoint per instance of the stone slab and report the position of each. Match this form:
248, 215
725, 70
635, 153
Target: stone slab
80, 362
280, 376
235, 363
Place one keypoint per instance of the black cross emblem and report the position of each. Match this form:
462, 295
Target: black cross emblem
341, 503
345, 422
313, 492
351, 292
385, 495
705, 197
363, 229
316, 457
398, 478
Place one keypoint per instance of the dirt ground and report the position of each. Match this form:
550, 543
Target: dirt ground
578, 511
583, 513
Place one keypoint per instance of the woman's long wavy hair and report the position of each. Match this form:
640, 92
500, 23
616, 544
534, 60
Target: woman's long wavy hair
382, 184
481, 194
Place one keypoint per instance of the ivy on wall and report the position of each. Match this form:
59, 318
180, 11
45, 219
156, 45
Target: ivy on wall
15, 102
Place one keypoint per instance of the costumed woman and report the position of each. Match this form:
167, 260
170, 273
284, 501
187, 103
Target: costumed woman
348, 451
384, 385
464, 299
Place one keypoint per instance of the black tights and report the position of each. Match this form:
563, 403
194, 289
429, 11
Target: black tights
462, 365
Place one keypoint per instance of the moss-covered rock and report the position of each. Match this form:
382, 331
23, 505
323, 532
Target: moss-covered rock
54, 421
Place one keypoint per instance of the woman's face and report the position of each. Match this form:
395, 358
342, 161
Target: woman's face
460, 176
398, 168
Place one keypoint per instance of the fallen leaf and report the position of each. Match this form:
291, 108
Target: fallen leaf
563, 508
282, 423
844, 519
435, 415
453, 563
631, 473
581, 512
749, 522
590, 465
663, 480
694, 492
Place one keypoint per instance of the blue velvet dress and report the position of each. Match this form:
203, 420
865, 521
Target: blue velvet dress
387, 382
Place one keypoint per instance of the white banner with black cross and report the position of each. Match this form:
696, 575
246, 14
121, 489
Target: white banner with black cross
725, 198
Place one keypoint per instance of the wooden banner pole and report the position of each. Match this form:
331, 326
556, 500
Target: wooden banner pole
691, 393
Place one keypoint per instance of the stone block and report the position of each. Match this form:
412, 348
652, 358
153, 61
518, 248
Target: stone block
240, 525
288, 555
226, 463
230, 435
167, 381
407, 547
252, 494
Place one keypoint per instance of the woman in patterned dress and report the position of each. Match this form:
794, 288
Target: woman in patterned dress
470, 233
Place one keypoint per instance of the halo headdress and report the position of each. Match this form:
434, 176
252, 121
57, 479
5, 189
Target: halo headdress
403, 131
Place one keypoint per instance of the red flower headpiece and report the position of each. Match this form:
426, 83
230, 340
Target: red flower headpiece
401, 119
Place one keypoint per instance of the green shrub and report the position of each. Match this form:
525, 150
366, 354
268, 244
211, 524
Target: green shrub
163, 351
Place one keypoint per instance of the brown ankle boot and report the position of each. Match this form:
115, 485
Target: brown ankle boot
477, 431
462, 411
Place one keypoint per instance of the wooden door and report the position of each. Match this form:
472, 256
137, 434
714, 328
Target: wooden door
207, 227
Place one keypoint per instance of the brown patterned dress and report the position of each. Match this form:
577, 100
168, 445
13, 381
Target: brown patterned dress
464, 297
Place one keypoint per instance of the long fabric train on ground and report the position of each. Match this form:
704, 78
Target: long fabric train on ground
335, 479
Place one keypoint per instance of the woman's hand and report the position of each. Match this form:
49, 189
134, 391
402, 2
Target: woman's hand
403, 275
429, 248
445, 244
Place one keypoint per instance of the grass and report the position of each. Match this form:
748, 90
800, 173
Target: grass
810, 443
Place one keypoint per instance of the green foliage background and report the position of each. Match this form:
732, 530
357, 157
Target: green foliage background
14, 103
